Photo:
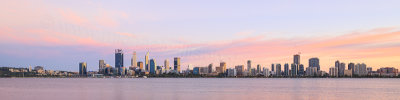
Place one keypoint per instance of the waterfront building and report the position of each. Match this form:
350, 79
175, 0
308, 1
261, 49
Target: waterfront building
348, 73
248, 65
341, 69
231, 72
258, 69
147, 62
314, 62
82, 68
196, 71
360, 69
210, 66
301, 70
222, 65
152, 66
239, 70
166, 65
388, 71
253, 72
350, 66
140, 65
102, 66
177, 64
312, 71
272, 67
296, 59
294, 70
286, 69
203, 70
278, 70
332, 72
266, 72
119, 60
369, 69
337, 64
133, 60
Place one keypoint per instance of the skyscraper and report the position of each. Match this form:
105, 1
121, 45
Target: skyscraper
296, 59
258, 69
351, 67
102, 66
286, 69
166, 64
239, 69
146, 62
119, 60
140, 65
152, 66
341, 69
177, 64
314, 62
301, 70
278, 69
210, 66
248, 65
337, 64
133, 60
222, 65
82, 68
272, 67
294, 70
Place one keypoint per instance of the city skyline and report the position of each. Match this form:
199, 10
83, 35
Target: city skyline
62, 34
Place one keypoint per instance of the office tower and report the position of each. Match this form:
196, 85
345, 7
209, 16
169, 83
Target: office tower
296, 59
177, 64
239, 70
258, 68
337, 64
231, 72
286, 69
119, 60
314, 62
272, 67
82, 68
341, 69
293, 70
133, 60
222, 65
248, 65
140, 65
278, 69
301, 70
152, 66
146, 62
266, 72
332, 72
210, 68
196, 70
102, 66
350, 66
360, 69
166, 64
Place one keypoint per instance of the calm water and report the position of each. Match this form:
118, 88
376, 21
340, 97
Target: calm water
198, 89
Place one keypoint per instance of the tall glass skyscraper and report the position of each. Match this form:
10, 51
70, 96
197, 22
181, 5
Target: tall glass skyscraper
146, 62
82, 68
177, 64
152, 66
248, 65
119, 60
314, 62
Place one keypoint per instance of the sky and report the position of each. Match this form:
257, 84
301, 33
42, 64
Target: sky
58, 34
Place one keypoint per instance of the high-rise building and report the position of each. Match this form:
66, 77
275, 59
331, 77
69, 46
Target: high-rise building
286, 69
301, 70
248, 65
133, 60
296, 59
294, 69
341, 69
272, 67
119, 60
152, 66
196, 70
360, 69
258, 69
146, 62
332, 72
278, 70
140, 65
337, 64
166, 64
82, 68
222, 65
350, 66
102, 66
314, 62
239, 70
210, 66
177, 64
